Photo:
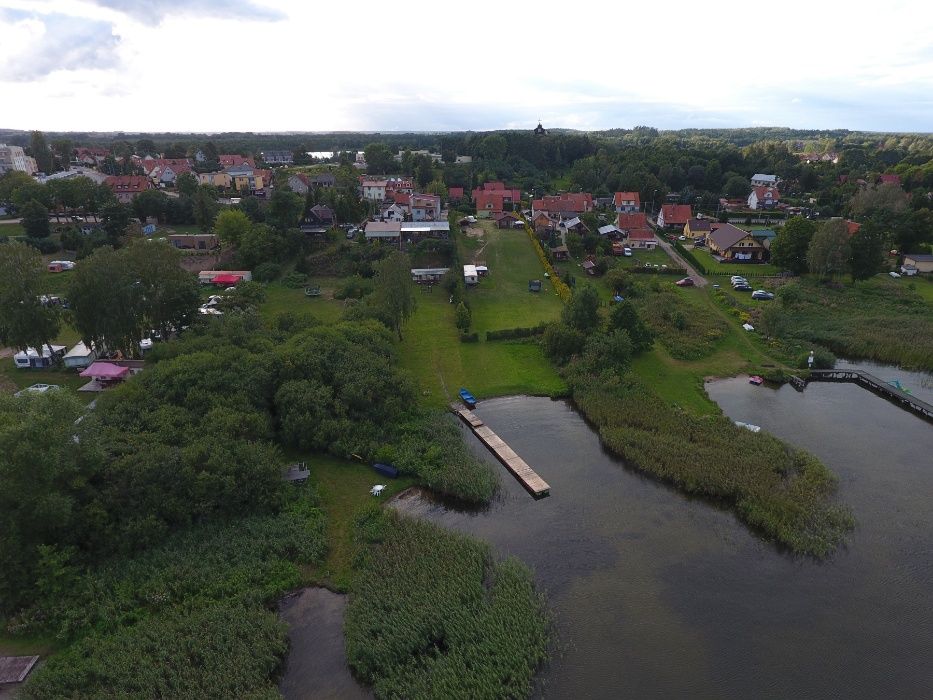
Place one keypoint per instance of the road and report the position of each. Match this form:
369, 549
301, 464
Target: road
698, 279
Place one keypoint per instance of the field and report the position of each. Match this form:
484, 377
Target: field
746, 270
11, 230
281, 299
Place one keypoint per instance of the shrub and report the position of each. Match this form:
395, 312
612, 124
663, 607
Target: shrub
469, 337
43, 245
266, 272
355, 287
295, 280
515, 333
562, 342
822, 359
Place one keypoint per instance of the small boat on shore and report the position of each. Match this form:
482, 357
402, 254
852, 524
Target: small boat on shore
386, 470
756, 380
467, 398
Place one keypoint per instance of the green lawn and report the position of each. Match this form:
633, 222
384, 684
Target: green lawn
744, 269
325, 308
502, 300
12, 230
640, 257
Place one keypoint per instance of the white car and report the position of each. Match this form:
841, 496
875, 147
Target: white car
894, 274
737, 278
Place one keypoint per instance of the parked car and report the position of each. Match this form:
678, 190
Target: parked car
685, 282
627, 252
737, 278
681, 238
762, 295
742, 287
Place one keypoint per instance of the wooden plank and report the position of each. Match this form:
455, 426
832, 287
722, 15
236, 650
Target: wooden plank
14, 669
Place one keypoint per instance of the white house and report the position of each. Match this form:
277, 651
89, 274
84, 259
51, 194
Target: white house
761, 180
470, 274
764, 198
373, 190
80, 356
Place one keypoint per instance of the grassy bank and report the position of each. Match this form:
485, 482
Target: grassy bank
433, 615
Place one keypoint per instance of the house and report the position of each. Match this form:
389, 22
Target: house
414, 231
80, 356
697, 228
299, 183
168, 174
922, 263
228, 160
322, 180
764, 198
632, 220
126, 187
387, 231
642, 238
506, 219
425, 207
852, 227
493, 198
574, 225
194, 241
626, 201
276, 157
589, 266
212, 276
91, 157
610, 230
555, 206
373, 189
320, 215
246, 178
428, 275
674, 215
393, 212
762, 180
399, 184
470, 274
543, 222
560, 252
454, 194
30, 358
219, 179
733, 244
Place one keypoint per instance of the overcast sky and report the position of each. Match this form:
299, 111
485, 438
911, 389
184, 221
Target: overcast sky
270, 65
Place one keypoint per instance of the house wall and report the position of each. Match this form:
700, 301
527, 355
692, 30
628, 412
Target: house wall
921, 265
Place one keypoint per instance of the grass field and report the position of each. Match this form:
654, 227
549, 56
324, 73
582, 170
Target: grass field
744, 269
325, 308
11, 230
658, 256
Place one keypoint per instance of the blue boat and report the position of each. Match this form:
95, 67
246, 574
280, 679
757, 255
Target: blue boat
468, 398
386, 470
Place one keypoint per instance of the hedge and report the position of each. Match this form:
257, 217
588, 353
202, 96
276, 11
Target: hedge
513, 333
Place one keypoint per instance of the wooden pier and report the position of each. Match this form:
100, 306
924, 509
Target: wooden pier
878, 386
526, 476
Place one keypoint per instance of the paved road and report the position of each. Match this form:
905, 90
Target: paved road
698, 279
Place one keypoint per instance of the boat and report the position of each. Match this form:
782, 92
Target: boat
386, 470
756, 380
468, 398
312, 291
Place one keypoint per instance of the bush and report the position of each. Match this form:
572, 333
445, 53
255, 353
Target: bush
469, 337
562, 342
822, 359
355, 287
515, 333
43, 245
295, 280
266, 272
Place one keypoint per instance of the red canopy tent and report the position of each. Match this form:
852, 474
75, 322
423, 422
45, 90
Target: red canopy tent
224, 280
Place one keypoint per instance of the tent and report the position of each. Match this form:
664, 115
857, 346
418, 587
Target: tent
106, 371
224, 280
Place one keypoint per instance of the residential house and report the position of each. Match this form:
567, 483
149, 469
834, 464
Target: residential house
322, 180
454, 194
763, 180
126, 187
321, 215
168, 174
543, 222
228, 160
30, 358
922, 263
276, 157
15, 158
560, 253
414, 231
373, 189
153, 167
91, 157
642, 238
674, 215
889, 179
399, 184
628, 221
219, 179
610, 230
506, 219
574, 225
387, 231
560, 205
425, 207
493, 198
393, 212
626, 201
696, 228
246, 178
735, 245
764, 198
194, 241
299, 183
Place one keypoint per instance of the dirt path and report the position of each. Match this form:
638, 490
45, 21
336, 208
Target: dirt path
698, 279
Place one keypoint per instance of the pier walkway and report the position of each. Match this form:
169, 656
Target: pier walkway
526, 476
880, 387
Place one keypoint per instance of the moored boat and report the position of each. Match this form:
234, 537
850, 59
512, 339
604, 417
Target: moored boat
468, 398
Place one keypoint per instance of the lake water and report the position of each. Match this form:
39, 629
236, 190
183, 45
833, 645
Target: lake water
656, 595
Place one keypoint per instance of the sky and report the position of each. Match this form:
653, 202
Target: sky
326, 65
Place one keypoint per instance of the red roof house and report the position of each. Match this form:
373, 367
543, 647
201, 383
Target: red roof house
674, 215
627, 201
890, 179
228, 160
632, 220
455, 194
492, 198
126, 187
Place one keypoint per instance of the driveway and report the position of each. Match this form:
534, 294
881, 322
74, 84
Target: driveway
698, 279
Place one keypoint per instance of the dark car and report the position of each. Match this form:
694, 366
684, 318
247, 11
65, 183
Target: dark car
762, 295
742, 288
685, 282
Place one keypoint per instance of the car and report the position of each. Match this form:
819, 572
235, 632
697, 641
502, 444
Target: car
350, 235
742, 288
894, 275
681, 238
715, 286
627, 252
737, 278
685, 282
762, 295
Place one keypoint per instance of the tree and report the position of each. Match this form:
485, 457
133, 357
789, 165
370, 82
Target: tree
151, 203
866, 254
886, 196
35, 220
463, 317
913, 230
39, 149
24, 321
392, 290
790, 246
204, 202
624, 317
186, 184
13, 180
257, 245
582, 311
736, 187
168, 295
828, 253
115, 218
285, 209
379, 159
231, 225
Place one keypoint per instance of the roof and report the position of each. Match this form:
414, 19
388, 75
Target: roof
763, 233
429, 270
635, 219
621, 197
919, 257
455, 192
506, 215
570, 223
32, 352
469, 270
79, 350
105, 370
228, 159
127, 183
767, 193
699, 224
608, 228
576, 202
425, 226
726, 236
676, 214
367, 182
588, 264
641, 234
226, 279
890, 179
852, 227
764, 178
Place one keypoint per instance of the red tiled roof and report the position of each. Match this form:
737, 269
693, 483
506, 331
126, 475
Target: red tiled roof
762, 193
402, 198
621, 197
852, 227
675, 214
151, 164
455, 193
577, 202
228, 160
490, 186
641, 234
128, 183
483, 199
634, 219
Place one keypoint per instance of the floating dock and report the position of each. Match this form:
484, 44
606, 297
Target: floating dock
873, 383
526, 476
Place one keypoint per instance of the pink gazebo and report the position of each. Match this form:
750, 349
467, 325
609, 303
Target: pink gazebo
103, 375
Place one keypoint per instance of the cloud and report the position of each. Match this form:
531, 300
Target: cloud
55, 42
154, 11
